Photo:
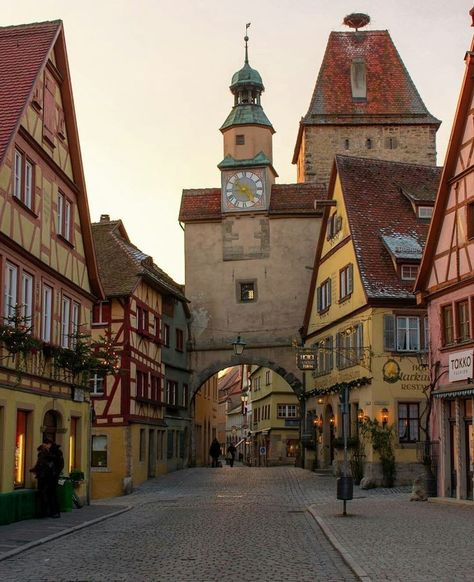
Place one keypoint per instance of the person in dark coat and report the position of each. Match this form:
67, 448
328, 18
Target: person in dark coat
49, 464
214, 452
231, 450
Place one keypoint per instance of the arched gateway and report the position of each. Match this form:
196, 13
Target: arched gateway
248, 246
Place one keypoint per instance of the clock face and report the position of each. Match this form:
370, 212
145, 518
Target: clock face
244, 189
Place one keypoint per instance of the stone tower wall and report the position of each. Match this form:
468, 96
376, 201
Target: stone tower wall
407, 143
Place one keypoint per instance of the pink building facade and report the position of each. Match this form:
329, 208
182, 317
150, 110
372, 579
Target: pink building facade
446, 284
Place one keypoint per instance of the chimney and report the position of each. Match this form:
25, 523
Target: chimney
105, 218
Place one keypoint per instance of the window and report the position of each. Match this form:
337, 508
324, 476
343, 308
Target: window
142, 445
368, 143
20, 448
470, 220
267, 377
425, 212
157, 330
325, 357
334, 225
256, 383
75, 314
142, 384
166, 335
346, 144
73, 442
46, 316
391, 143
155, 386
171, 392
345, 282
23, 179
65, 321
99, 451
447, 323
101, 313
292, 447
64, 222
10, 294
402, 333
247, 292
170, 444
96, 385
179, 340
358, 80
462, 313
142, 320
27, 299
409, 272
408, 422
240, 139
185, 395
350, 346
323, 296
287, 410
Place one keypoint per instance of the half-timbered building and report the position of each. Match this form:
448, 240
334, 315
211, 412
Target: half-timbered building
130, 440
446, 285
48, 271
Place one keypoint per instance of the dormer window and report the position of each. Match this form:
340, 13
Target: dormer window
359, 79
425, 212
409, 272
334, 225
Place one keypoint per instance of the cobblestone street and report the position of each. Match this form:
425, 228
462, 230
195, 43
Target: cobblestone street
251, 524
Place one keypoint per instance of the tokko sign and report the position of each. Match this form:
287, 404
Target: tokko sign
461, 365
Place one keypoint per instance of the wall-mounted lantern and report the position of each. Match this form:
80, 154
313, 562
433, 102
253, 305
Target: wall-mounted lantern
239, 346
384, 416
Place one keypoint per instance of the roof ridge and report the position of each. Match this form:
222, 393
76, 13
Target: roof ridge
30, 24
391, 162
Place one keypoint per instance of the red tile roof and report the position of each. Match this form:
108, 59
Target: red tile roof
121, 264
23, 52
285, 199
377, 207
391, 94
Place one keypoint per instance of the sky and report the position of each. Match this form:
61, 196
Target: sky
151, 88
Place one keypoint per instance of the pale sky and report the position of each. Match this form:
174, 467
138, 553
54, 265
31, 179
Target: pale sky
151, 88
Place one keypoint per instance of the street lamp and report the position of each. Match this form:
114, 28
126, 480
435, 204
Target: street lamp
238, 345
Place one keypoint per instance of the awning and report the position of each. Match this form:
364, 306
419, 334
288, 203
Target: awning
449, 391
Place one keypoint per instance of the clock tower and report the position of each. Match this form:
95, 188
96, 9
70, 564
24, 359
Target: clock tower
247, 171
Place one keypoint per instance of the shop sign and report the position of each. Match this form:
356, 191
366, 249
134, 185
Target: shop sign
306, 359
460, 365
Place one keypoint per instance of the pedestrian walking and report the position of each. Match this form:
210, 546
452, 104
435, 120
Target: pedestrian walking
231, 450
49, 464
214, 452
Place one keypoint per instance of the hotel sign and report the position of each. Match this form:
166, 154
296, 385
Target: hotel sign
461, 365
306, 359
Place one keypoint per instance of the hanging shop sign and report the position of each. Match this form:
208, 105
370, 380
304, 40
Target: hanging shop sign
306, 359
461, 365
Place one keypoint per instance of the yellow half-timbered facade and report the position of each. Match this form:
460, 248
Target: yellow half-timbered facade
362, 320
48, 271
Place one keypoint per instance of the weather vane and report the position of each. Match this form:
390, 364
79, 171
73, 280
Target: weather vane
246, 38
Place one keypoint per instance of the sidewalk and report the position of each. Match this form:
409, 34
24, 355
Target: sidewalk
23, 535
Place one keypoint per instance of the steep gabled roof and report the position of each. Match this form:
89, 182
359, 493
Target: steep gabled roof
122, 264
285, 199
24, 50
390, 91
449, 169
378, 212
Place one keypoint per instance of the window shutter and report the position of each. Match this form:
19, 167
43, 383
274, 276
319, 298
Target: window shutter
329, 291
338, 350
338, 223
349, 279
318, 298
330, 353
389, 332
360, 341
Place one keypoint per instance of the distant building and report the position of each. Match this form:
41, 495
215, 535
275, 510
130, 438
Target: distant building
204, 411
47, 260
364, 104
362, 319
274, 420
446, 285
132, 438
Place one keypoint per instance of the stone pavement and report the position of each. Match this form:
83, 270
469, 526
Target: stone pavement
250, 524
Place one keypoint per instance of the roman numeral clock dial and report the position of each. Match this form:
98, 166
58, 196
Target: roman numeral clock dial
244, 190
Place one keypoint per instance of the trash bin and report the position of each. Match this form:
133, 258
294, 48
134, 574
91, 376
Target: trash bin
344, 488
64, 491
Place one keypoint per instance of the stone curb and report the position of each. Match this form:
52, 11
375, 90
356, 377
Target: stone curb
62, 533
345, 555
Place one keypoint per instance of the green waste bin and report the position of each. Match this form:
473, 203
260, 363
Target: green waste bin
64, 490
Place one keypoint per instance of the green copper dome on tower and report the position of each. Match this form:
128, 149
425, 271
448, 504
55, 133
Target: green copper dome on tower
247, 87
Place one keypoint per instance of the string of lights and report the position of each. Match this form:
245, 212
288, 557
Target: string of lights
338, 386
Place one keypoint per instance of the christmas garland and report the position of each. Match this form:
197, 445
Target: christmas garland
336, 388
